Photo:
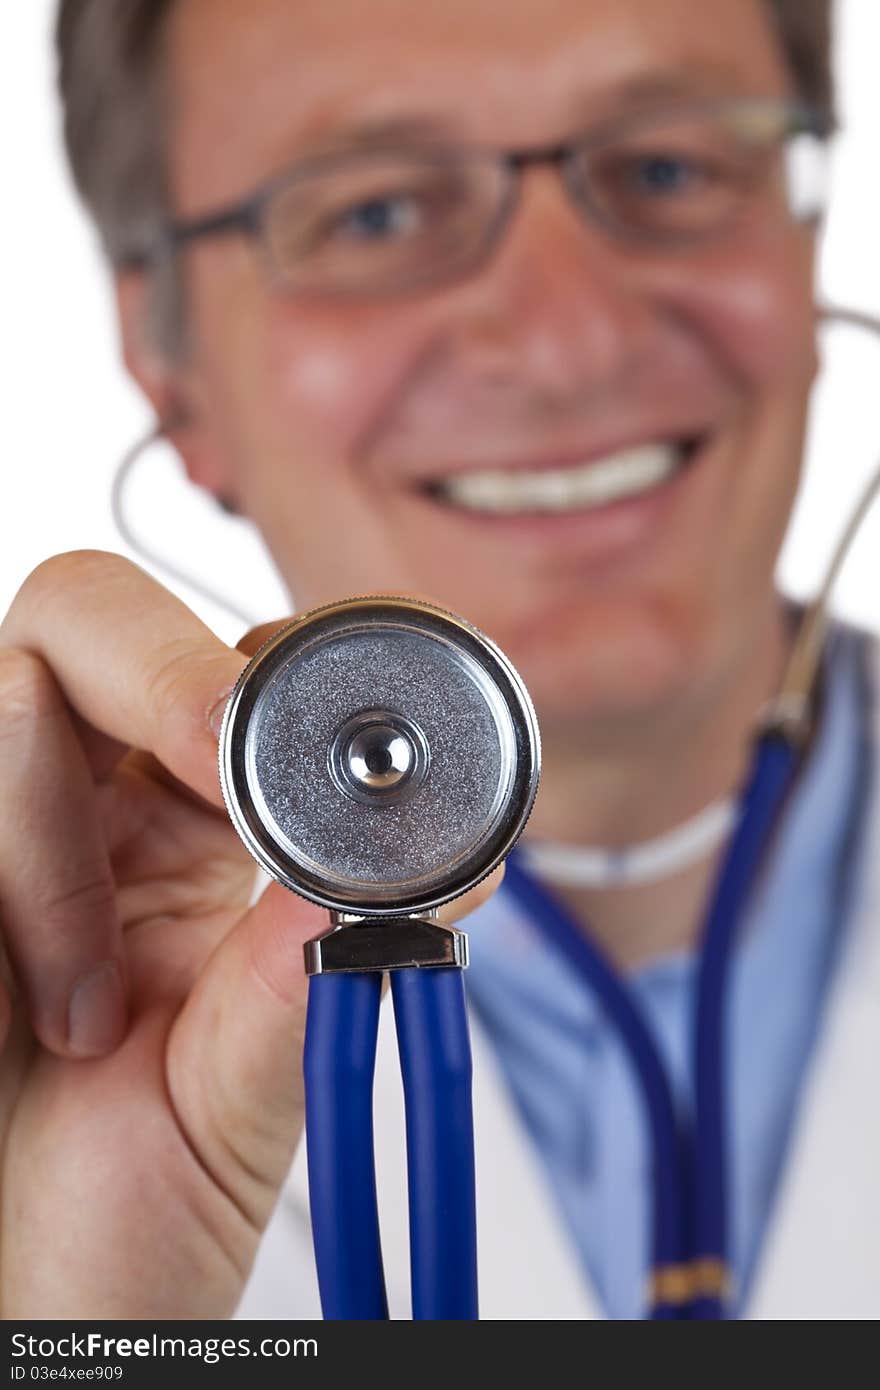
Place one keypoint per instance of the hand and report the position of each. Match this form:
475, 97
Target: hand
151, 1022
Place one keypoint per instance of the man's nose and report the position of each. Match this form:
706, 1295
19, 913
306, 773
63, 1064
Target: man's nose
556, 306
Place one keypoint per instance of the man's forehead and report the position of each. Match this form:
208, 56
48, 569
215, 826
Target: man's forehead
285, 78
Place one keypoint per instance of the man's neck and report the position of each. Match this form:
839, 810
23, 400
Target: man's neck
613, 792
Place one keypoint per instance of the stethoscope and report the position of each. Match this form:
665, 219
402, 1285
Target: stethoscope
380, 756
350, 707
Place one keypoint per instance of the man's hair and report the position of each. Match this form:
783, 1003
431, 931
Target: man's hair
111, 75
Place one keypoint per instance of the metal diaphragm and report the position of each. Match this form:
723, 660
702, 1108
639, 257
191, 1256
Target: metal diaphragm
379, 756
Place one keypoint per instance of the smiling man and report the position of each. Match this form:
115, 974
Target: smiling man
511, 307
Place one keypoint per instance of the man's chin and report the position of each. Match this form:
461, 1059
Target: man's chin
604, 703
610, 680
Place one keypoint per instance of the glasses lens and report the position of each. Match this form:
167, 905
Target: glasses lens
688, 175
807, 176
370, 224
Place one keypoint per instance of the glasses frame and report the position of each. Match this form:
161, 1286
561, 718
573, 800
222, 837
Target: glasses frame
248, 216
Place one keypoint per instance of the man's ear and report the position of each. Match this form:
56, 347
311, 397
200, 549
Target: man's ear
146, 360
168, 382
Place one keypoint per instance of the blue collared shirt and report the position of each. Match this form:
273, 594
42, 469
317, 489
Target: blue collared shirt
568, 1072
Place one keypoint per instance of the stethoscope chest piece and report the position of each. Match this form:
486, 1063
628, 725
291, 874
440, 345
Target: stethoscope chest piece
380, 757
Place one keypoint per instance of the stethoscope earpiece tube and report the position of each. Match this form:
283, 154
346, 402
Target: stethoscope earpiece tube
668, 1246
435, 1057
773, 769
690, 1276
339, 1060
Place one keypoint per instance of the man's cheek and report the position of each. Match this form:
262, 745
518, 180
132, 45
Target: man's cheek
336, 372
755, 311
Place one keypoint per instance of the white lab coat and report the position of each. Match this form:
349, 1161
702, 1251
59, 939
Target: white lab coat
821, 1250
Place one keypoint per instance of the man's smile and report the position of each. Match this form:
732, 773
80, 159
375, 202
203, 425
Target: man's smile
570, 486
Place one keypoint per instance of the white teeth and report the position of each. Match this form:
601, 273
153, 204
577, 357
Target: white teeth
564, 489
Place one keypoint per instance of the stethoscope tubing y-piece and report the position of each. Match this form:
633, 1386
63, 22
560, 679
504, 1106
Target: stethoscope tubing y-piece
435, 1058
342, 1023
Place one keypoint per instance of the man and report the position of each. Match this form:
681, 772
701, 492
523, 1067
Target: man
562, 393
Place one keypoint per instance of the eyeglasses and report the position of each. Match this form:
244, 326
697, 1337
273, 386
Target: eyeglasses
385, 221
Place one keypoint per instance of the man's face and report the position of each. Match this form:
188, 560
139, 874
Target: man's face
334, 421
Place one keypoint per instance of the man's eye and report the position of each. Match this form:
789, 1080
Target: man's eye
378, 219
664, 174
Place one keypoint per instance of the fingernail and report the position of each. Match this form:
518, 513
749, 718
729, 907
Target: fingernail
97, 1013
215, 718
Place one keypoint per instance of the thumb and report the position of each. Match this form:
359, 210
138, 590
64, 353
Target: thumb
235, 1052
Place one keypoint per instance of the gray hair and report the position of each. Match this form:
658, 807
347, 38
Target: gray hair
110, 79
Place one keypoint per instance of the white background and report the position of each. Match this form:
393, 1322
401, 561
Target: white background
68, 412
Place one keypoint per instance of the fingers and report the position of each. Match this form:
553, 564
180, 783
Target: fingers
135, 664
5, 1014
57, 892
254, 639
95, 658
235, 1055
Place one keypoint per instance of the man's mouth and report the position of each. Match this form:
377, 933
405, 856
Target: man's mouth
600, 482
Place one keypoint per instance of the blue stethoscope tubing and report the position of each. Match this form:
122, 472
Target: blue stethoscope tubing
689, 1185
585, 957
435, 1057
342, 1024
339, 1062
773, 772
